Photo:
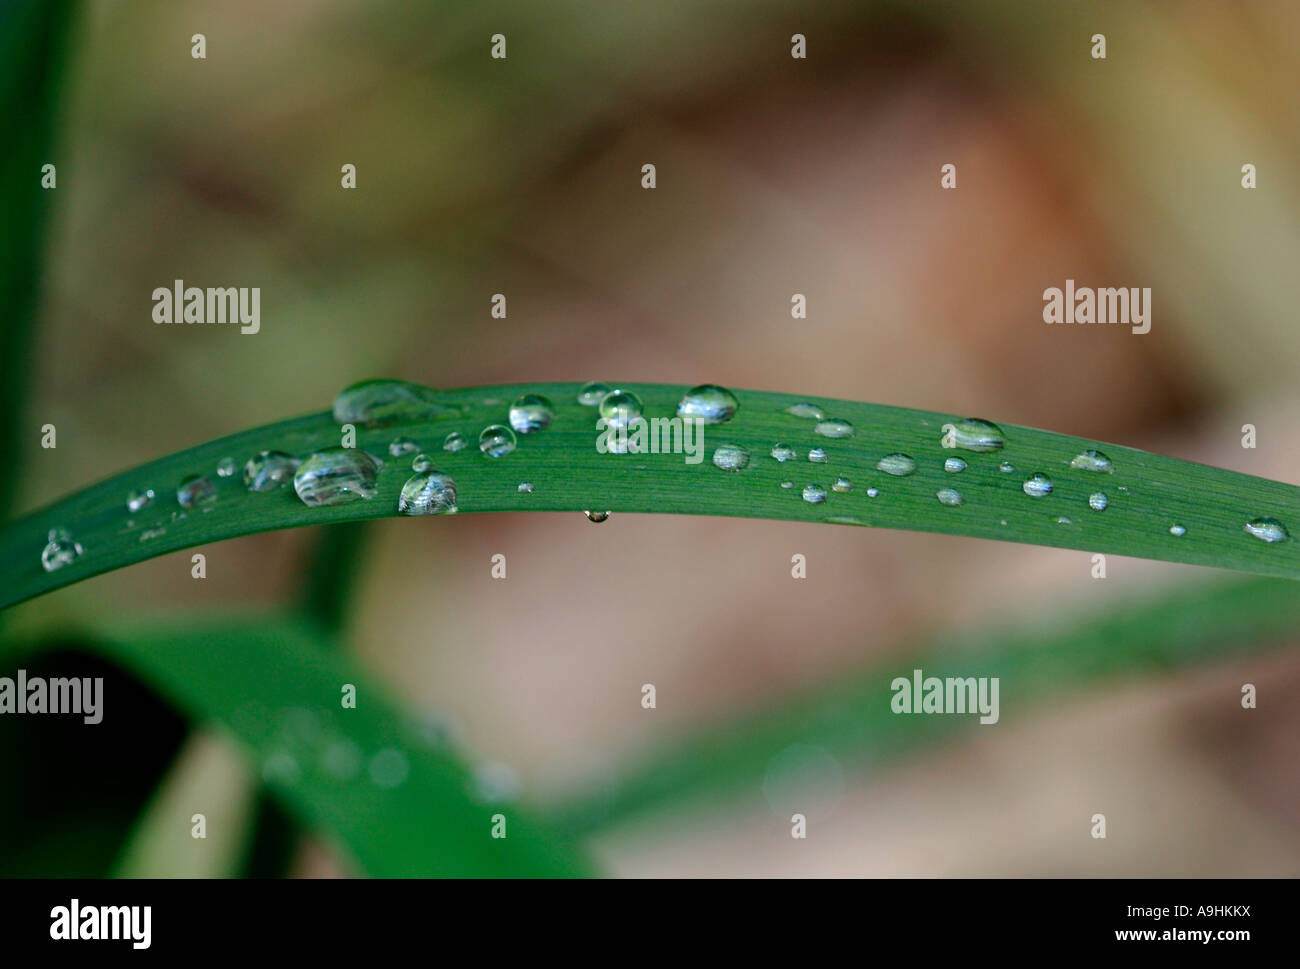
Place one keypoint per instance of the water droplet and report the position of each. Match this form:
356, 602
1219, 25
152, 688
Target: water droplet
729, 457
269, 470
787, 484
1092, 460
1177, 530
592, 393
708, 402
808, 411
525, 488
1098, 501
842, 485
421, 462
195, 490
899, 465
496, 441
225, 467
430, 493
1039, 485
530, 413
139, 500
620, 407
834, 428
1062, 520
973, 434
783, 453
378, 402
455, 441
817, 455
814, 494
1006, 467
401, 446
954, 465
596, 516
335, 476
1267, 529
873, 492
949, 497
60, 550
388, 768
149, 534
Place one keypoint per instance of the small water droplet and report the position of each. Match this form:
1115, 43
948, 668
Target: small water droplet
783, 453
873, 492
817, 455
834, 428
1006, 467
814, 494
225, 467
531, 413
949, 497
596, 516
620, 407
149, 534
1092, 460
60, 550
1177, 530
195, 490
401, 446
787, 484
708, 402
525, 488
421, 462
1267, 529
430, 493
899, 465
806, 411
591, 393
137, 501
842, 484
336, 476
973, 434
1098, 501
730, 457
1062, 520
496, 441
954, 465
1038, 485
455, 441
269, 470
378, 402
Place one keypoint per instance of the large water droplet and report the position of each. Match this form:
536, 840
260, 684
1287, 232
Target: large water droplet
1039, 485
708, 402
195, 490
814, 494
596, 516
402, 446
899, 465
620, 407
496, 441
807, 411
336, 476
730, 457
378, 402
1267, 529
530, 413
430, 493
783, 452
269, 470
139, 500
973, 434
1092, 460
817, 455
592, 393
834, 428
949, 497
954, 465
1098, 501
60, 550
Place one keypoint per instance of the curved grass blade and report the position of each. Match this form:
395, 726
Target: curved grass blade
1146, 494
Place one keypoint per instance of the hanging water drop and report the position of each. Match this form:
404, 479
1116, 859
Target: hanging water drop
531, 413
596, 516
496, 441
336, 476
709, 403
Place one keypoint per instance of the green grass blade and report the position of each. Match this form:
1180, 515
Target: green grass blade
273, 686
852, 720
1147, 493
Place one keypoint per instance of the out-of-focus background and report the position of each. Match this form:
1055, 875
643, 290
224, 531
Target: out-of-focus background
775, 176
